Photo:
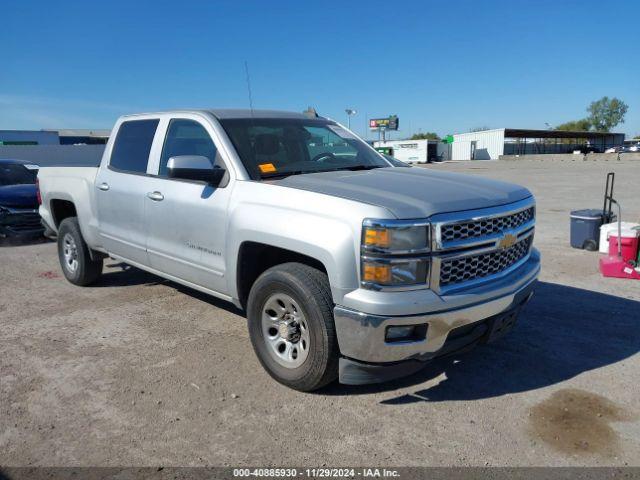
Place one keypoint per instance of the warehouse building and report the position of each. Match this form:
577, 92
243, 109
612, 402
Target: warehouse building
54, 137
28, 137
491, 144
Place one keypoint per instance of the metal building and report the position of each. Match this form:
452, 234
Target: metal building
491, 144
29, 137
54, 137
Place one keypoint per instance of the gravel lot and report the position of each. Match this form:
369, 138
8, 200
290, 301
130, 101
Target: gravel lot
139, 371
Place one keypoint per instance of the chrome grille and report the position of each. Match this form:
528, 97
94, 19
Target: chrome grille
486, 226
472, 267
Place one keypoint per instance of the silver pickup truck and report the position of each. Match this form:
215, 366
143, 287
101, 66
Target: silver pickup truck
347, 265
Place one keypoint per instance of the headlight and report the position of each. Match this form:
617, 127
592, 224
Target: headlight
393, 254
395, 236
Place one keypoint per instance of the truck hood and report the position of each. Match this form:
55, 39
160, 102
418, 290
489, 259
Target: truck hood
410, 192
18, 196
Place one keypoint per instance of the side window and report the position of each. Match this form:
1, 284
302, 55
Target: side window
132, 146
186, 137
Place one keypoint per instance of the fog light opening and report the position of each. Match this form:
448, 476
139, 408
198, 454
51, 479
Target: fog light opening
406, 333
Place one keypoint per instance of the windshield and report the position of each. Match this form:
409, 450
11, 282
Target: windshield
16, 174
278, 147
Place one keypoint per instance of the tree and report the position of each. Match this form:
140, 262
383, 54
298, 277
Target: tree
583, 125
606, 113
479, 129
425, 136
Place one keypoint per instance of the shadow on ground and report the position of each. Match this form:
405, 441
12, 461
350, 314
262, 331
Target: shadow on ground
126, 275
561, 333
23, 242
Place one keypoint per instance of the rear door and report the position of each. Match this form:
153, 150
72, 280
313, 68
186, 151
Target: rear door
121, 186
187, 220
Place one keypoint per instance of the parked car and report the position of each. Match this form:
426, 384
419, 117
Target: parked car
347, 267
19, 216
616, 149
631, 148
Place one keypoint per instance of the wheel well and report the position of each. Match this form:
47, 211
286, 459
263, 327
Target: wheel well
61, 209
254, 258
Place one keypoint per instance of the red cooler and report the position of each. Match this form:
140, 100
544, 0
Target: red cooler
629, 247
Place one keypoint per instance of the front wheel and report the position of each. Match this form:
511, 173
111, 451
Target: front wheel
76, 262
290, 315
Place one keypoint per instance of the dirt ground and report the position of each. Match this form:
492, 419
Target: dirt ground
139, 371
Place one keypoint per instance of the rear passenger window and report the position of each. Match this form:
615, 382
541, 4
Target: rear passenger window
132, 146
186, 137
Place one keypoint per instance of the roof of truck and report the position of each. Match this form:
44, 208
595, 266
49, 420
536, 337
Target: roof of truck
231, 113
224, 113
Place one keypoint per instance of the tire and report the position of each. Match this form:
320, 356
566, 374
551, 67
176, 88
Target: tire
590, 245
298, 297
73, 253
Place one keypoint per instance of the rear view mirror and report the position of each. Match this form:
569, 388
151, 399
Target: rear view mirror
195, 167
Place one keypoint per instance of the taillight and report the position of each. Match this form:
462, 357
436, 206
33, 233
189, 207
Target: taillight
38, 191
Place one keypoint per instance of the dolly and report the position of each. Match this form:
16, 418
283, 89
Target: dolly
615, 265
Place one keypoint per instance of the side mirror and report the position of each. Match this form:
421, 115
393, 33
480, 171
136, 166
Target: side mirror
195, 167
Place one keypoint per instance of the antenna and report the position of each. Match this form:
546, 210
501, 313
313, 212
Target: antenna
246, 69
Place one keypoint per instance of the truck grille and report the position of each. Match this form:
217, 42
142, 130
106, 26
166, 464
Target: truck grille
486, 226
476, 246
477, 266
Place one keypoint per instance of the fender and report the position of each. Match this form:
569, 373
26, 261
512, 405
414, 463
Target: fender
328, 240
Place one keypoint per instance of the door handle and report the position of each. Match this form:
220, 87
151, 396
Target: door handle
103, 186
155, 196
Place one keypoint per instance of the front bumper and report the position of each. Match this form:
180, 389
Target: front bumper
20, 222
361, 336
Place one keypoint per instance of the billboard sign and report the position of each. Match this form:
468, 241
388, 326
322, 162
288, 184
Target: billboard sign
390, 123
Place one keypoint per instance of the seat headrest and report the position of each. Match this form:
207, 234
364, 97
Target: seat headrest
266, 144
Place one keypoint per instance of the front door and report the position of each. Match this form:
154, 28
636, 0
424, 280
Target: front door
120, 191
187, 219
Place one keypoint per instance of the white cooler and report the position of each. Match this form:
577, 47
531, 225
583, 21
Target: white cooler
628, 230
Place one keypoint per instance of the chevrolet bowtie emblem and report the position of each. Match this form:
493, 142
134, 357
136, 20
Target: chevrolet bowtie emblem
507, 241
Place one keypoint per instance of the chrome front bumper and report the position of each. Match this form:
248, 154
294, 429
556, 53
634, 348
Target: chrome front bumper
361, 336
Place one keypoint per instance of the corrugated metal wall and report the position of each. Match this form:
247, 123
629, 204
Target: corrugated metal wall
40, 137
489, 145
55, 155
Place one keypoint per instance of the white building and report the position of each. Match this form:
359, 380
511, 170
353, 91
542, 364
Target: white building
483, 145
491, 144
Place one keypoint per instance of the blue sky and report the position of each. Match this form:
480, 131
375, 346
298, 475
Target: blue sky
440, 66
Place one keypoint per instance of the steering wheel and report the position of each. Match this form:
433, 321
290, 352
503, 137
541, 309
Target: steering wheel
321, 157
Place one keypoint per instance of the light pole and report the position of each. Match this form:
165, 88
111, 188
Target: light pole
350, 113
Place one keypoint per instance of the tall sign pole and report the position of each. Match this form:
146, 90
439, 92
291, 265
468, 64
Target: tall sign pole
350, 112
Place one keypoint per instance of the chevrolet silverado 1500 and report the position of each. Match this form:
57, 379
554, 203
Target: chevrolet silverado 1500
346, 265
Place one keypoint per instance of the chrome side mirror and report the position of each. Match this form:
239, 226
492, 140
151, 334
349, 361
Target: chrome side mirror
194, 167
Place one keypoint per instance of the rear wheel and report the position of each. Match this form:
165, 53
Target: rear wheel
290, 314
73, 252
